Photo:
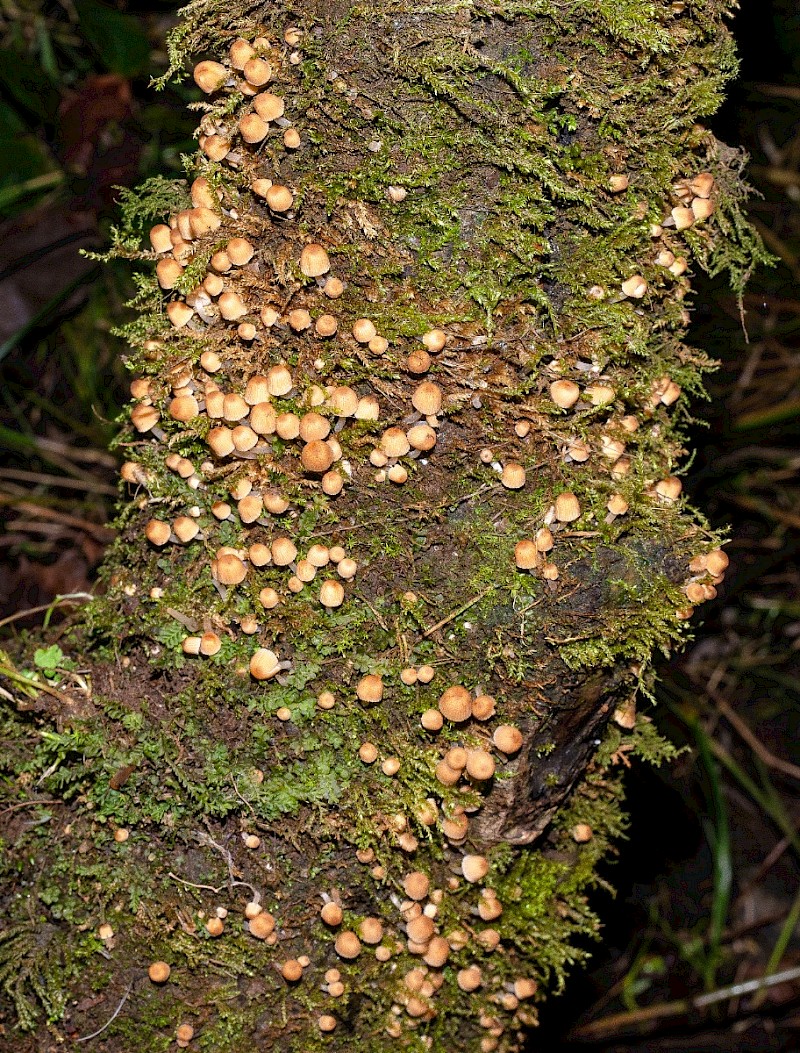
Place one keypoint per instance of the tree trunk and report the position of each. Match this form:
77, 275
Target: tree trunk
403, 536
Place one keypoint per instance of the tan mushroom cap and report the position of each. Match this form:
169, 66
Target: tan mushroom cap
144, 417
252, 128
332, 914
157, 532
264, 664
394, 442
567, 507
455, 704
261, 925
513, 476
331, 594
370, 688
257, 71
371, 930
564, 393
717, 562
427, 398
209, 76
480, 765
279, 198
526, 554
292, 970
314, 261
434, 340
230, 570
284, 551
344, 401
240, 251
159, 972
364, 330
432, 720
483, 707
507, 738
437, 953
418, 361
269, 106
474, 867
416, 885
347, 945
469, 979
316, 456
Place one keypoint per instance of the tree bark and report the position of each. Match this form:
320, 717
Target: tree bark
404, 532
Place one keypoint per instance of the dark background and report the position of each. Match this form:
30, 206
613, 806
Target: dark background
708, 883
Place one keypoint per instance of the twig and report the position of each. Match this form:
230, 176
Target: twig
70, 597
26, 804
58, 481
117, 1011
191, 884
756, 745
455, 614
618, 1022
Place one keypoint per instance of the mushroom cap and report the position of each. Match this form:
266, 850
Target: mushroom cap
474, 867
159, 972
316, 456
332, 914
344, 401
240, 251
469, 979
437, 953
455, 704
284, 552
420, 929
209, 76
292, 970
252, 128
261, 925
418, 361
230, 570
567, 507
431, 720
483, 707
331, 594
394, 442
526, 555
269, 106
370, 688
434, 340
257, 71
480, 765
279, 198
507, 738
717, 562
264, 664
564, 393
157, 532
371, 930
347, 945
314, 261
446, 775
416, 885
364, 330
427, 398
513, 476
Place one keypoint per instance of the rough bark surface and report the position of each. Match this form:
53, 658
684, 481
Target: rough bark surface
404, 532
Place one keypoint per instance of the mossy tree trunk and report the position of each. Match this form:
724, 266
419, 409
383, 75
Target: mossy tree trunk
404, 532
